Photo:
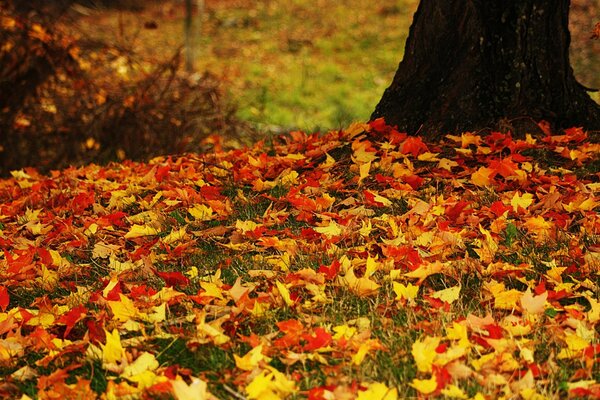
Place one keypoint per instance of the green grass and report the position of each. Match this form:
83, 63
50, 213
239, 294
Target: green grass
299, 64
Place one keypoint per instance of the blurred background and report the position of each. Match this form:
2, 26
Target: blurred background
105, 80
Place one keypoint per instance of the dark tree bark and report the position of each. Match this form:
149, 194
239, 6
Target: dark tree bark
487, 64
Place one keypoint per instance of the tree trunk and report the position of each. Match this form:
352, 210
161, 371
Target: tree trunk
475, 64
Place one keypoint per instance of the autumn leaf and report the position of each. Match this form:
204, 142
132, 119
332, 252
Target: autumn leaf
425, 386
423, 352
378, 391
4, 298
270, 384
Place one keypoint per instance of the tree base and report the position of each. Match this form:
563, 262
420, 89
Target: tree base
502, 65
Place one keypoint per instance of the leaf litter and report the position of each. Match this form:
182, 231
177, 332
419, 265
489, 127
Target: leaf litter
356, 264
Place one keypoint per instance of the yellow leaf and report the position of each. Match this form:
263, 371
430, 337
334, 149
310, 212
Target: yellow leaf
343, 331
284, 293
140, 370
124, 309
408, 292
364, 171
361, 286
270, 384
363, 350
519, 201
175, 236
246, 226
211, 289
575, 344
378, 391
331, 230
423, 351
538, 226
200, 212
365, 229
482, 177
252, 359
454, 392
288, 178
446, 164
449, 295
425, 270
112, 351
458, 332
196, 390
141, 230
425, 386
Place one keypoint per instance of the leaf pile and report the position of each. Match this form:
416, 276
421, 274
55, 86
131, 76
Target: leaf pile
356, 264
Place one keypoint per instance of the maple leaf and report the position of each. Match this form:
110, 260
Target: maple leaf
4, 298
425, 386
196, 390
112, 351
378, 391
361, 286
140, 231
251, 359
521, 202
332, 229
270, 384
405, 292
449, 295
141, 371
424, 352
534, 304
483, 177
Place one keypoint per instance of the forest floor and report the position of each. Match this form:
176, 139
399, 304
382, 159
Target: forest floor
311, 65
360, 264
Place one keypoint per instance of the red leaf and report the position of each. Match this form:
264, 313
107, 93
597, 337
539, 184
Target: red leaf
173, 278
4, 298
331, 271
162, 173
414, 145
320, 338
71, 317
378, 125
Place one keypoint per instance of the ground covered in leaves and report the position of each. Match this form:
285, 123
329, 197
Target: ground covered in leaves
359, 264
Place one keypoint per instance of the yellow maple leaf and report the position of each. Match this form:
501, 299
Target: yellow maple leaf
270, 384
446, 164
449, 295
454, 392
141, 370
425, 270
284, 293
251, 359
361, 286
246, 226
458, 332
482, 177
331, 230
378, 391
201, 212
124, 309
519, 201
196, 390
425, 386
112, 351
363, 350
364, 171
538, 226
407, 292
423, 351
141, 230
175, 236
